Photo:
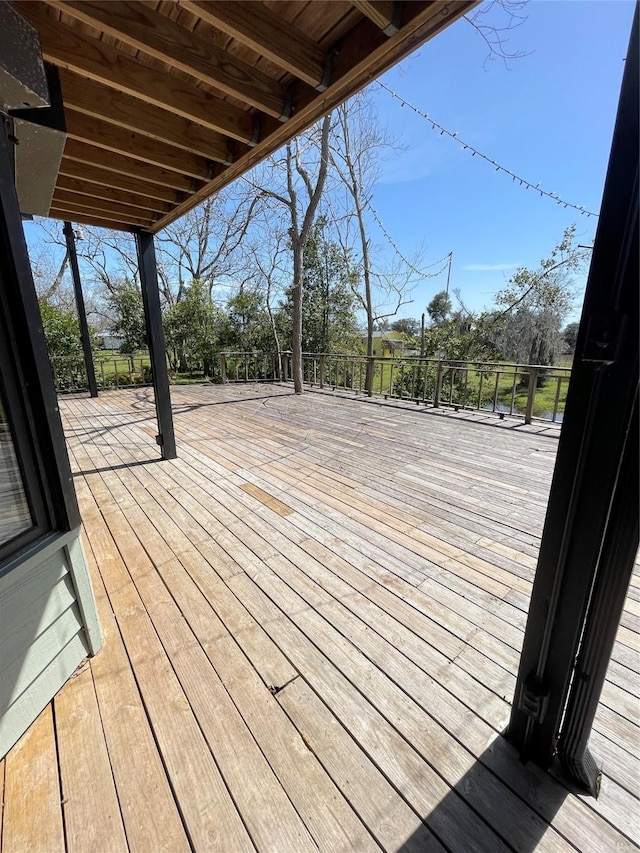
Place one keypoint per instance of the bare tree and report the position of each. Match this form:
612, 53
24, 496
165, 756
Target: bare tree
304, 172
267, 261
204, 244
494, 22
381, 290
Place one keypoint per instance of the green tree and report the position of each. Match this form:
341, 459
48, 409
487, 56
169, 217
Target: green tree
328, 317
439, 308
463, 337
536, 302
124, 301
192, 329
246, 327
570, 336
408, 326
61, 330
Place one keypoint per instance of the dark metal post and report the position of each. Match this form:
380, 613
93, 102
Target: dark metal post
155, 341
82, 314
42, 416
588, 544
531, 394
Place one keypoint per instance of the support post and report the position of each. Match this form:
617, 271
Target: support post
589, 543
531, 394
368, 380
438, 391
85, 338
155, 341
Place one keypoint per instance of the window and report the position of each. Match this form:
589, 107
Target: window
15, 514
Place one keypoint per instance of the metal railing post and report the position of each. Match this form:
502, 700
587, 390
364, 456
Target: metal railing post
531, 395
321, 371
369, 375
223, 367
438, 390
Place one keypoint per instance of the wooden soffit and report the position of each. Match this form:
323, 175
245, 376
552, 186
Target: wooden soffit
167, 102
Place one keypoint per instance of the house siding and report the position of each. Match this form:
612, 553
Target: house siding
48, 624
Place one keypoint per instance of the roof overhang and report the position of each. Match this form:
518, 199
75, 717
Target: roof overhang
167, 102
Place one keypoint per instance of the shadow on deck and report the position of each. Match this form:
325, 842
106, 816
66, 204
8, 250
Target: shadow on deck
312, 621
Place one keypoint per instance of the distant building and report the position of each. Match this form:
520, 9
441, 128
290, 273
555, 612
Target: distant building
110, 340
388, 344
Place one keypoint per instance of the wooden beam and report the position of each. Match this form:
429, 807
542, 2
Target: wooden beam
92, 176
91, 98
83, 153
102, 134
69, 48
100, 191
145, 29
84, 218
364, 54
75, 210
383, 13
66, 198
265, 32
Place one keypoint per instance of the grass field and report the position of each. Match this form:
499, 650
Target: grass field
499, 386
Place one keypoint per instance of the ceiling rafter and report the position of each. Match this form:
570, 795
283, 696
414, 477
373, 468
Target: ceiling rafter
119, 196
103, 220
91, 98
268, 34
68, 48
142, 28
92, 176
384, 13
123, 165
166, 103
102, 134
103, 206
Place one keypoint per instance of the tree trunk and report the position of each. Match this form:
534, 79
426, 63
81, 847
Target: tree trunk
296, 334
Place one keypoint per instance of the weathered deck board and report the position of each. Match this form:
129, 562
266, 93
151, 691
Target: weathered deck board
33, 788
313, 619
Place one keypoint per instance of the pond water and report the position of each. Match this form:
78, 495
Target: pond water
502, 407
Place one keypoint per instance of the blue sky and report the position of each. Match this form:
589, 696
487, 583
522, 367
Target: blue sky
549, 117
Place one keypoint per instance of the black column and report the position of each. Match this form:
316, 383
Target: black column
39, 428
82, 313
155, 341
588, 543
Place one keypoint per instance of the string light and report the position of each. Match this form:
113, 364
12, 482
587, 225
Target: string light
407, 262
498, 168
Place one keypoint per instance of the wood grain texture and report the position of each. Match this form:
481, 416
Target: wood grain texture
325, 634
90, 157
91, 811
32, 800
92, 99
157, 36
91, 177
268, 34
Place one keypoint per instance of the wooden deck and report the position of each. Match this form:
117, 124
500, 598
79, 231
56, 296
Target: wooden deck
312, 626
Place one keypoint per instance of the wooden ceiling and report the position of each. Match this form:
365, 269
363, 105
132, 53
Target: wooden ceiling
167, 102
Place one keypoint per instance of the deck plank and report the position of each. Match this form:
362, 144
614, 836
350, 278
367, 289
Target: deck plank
150, 814
313, 619
33, 789
92, 818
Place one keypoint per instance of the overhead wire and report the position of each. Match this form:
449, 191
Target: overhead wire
475, 152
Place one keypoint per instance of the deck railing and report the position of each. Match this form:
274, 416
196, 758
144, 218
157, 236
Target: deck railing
70, 375
521, 390
526, 390
249, 367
